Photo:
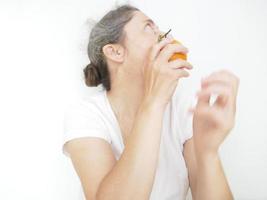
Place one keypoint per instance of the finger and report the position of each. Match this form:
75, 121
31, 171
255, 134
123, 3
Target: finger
203, 98
224, 76
215, 82
206, 82
180, 73
170, 49
213, 99
223, 92
180, 64
158, 46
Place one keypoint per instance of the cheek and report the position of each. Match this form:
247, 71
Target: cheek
142, 48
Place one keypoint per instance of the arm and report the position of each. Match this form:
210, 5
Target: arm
211, 181
132, 176
211, 124
206, 177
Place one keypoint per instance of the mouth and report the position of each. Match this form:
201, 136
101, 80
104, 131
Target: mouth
164, 35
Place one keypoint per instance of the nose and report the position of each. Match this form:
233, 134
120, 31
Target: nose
158, 33
164, 34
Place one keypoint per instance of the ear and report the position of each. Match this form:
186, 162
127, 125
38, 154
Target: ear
114, 52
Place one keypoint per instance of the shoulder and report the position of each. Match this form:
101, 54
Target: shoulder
85, 117
87, 105
86, 113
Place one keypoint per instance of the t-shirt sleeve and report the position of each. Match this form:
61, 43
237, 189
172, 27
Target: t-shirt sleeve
83, 120
186, 119
183, 100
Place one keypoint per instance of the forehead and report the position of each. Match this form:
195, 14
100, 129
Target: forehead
138, 19
139, 16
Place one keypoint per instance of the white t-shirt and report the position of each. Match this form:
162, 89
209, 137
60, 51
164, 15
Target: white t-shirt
93, 117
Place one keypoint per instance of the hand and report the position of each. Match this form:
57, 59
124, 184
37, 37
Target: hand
160, 76
211, 124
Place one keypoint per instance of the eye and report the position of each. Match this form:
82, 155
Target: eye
149, 27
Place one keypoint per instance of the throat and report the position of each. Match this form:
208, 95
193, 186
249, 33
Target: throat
125, 122
125, 104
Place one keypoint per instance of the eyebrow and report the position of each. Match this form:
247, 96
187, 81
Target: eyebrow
150, 20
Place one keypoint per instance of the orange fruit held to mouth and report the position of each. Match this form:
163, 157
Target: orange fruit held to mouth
177, 55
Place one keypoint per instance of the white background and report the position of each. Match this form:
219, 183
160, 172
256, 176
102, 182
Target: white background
43, 51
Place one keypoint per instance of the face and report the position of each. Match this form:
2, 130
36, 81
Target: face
141, 34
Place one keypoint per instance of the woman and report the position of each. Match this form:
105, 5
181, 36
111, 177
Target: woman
134, 139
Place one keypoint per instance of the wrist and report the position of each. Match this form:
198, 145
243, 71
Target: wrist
206, 158
152, 105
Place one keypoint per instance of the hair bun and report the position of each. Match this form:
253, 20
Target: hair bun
92, 75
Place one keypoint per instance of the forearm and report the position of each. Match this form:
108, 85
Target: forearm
211, 125
211, 182
133, 175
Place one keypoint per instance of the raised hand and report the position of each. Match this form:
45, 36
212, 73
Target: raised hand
212, 123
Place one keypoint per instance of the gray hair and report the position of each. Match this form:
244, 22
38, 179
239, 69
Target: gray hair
109, 30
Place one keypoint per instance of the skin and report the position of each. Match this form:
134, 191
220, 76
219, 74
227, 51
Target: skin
143, 82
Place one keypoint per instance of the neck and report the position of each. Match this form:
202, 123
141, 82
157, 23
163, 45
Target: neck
126, 95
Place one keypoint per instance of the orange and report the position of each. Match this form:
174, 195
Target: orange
178, 55
175, 55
